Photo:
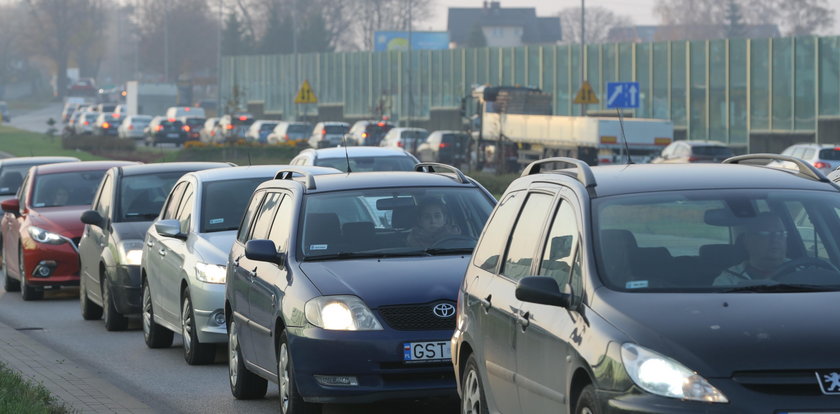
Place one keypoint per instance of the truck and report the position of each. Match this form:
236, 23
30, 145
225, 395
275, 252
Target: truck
513, 126
150, 98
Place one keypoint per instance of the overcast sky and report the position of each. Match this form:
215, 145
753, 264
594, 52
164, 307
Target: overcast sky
641, 11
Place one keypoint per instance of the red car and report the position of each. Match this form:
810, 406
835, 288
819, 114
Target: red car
42, 225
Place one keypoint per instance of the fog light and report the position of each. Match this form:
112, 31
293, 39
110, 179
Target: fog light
218, 317
44, 268
334, 381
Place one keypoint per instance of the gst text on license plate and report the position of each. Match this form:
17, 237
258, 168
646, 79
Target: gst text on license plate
426, 351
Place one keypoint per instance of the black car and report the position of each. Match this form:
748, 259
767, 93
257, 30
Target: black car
165, 130
341, 287
707, 288
127, 202
192, 126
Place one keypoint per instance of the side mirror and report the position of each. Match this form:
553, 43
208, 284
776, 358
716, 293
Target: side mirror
542, 290
93, 218
11, 205
263, 251
169, 228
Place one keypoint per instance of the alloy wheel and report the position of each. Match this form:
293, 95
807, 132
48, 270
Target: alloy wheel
472, 394
233, 354
283, 377
186, 324
147, 311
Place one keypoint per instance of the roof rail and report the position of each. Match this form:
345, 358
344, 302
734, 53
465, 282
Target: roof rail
289, 174
805, 169
434, 167
584, 172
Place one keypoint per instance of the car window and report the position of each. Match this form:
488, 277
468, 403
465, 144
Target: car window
103, 203
336, 129
265, 216
186, 209
496, 233
282, 224
364, 164
76, 188
224, 203
142, 196
523, 243
808, 154
559, 248
174, 200
11, 177
832, 154
246, 224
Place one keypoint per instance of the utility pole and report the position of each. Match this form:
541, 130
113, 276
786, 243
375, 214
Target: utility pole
582, 50
295, 18
219, 61
410, 70
165, 42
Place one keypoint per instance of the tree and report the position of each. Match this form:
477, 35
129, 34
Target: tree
599, 21
377, 15
476, 38
734, 21
234, 39
278, 36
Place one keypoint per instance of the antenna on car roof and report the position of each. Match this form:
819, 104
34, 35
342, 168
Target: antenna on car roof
249, 158
346, 154
623, 136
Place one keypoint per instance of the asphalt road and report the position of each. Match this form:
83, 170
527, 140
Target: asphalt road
36, 121
158, 377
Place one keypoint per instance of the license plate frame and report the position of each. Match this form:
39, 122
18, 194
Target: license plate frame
426, 351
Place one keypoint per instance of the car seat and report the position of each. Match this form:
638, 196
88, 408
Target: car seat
359, 235
617, 248
323, 232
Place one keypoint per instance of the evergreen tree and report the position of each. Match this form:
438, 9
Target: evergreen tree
234, 40
314, 36
278, 37
734, 21
476, 38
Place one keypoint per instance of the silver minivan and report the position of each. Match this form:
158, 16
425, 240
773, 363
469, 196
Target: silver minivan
824, 157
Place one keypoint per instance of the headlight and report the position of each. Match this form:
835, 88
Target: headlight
210, 273
341, 313
661, 375
131, 252
42, 236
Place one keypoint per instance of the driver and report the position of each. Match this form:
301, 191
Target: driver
432, 225
765, 239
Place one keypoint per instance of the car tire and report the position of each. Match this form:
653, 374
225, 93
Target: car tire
114, 320
244, 384
195, 353
290, 400
586, 402
90, 310
155, 335
11, 285
27, 292
473, 400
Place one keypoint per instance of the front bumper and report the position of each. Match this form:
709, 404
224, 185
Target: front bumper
208, 299
125, 288
61, 259
375, 358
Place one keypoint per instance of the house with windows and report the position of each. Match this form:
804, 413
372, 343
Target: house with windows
495, 26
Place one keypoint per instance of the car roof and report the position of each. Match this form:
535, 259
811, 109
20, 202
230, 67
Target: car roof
813, 145
81, 166
376, 179
164, 167
36, 160
700, 142
232, 173
646, 178
339, 152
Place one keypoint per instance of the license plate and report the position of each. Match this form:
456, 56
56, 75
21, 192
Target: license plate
172, 135
426, 351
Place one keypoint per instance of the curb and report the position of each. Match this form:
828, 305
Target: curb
78, 388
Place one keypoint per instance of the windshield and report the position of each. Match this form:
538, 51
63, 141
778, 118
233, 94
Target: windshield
11, 177
224, 203
393, 221
142, 196
718, 240
336, 129
75, 188
299, 129
363, 164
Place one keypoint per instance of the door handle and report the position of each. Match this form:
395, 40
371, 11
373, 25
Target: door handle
522, 319
162, 252
252, 274
150, 243
273, 301
486, 303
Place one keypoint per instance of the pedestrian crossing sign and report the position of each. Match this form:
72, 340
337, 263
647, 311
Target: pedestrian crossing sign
586, 95
306, 95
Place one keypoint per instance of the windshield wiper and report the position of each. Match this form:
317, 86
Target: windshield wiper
141, 215
361, 255
781, 287
449, 250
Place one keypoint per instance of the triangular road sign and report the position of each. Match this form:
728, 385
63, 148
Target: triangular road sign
586, 95
306, 95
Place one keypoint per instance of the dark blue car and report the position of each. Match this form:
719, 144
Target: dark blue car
341, 287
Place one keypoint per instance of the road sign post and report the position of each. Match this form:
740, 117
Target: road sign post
623, 95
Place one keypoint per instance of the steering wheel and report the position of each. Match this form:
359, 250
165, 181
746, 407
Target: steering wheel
451, 238
790, 266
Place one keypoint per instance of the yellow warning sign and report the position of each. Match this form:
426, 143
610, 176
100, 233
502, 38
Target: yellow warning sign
306, 95
586, 95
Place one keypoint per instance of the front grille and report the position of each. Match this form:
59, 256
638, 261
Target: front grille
417, 317
802, 383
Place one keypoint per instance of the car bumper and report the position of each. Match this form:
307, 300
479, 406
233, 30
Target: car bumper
125, 288
208, 300
374, 358
61, 259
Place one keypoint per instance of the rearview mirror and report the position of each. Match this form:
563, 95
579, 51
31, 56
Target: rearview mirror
542, 290
11, 205
263, 251
169, 228
92, 217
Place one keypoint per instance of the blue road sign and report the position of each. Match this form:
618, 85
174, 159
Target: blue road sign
622, 94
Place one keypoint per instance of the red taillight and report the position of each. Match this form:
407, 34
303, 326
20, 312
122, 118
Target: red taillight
323, 132
381, 124
243, 118
171, 119
87, 123
399, 144
443, 145
213, 133
692, 159
131, 127
115, 116
159, 128
106, 125
820, 164
187, 128
229, 126
187, 109
286, 137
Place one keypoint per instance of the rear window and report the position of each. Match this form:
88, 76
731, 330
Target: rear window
830, 154
336, 129
455, 138
300, 128
416, 134
712, 150
224, 203
267, 126
364, 164
195, 122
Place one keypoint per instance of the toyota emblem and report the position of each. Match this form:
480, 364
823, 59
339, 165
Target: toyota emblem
444, 310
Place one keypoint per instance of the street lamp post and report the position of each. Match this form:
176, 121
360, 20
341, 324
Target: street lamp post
582, 50
219, 61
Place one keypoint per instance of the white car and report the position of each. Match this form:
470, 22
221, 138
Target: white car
360, 159
409, 139
328, 134
259, 130
286, 131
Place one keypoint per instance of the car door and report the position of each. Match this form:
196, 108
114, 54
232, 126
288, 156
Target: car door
11, 229
542, 382
157, 248
173, 260
240, 278
95, 239
270, 282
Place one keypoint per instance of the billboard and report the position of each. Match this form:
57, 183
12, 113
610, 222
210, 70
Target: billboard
385, 41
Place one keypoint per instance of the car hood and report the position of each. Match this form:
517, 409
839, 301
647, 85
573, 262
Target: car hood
132, 230
62, 220
212, 247
717, 334
390, 281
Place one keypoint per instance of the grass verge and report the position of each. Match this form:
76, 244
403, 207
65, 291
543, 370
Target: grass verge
18, 395
21, 143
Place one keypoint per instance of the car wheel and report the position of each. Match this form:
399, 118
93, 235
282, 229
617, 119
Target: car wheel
27, 292
114, 320
244, 384
195, 353
290, 400
586, 403
90, 310
155, 335
9, 284
473, 400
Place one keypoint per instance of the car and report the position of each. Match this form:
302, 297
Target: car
164, 130
70, 127
185, 111
368, 133
12, 171
209, 130
41, 228
233, 127
86, 122
447, 147
409, 139
106, 124
129, 198
286, 132
192, 127
132, 127
359, 159
185, 256
693, 151
259, 130
106, 107
824, 157
342, 286
619, 286
68, 110
328, 134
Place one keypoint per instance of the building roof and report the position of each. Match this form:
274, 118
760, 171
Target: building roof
687, 32
536, 30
